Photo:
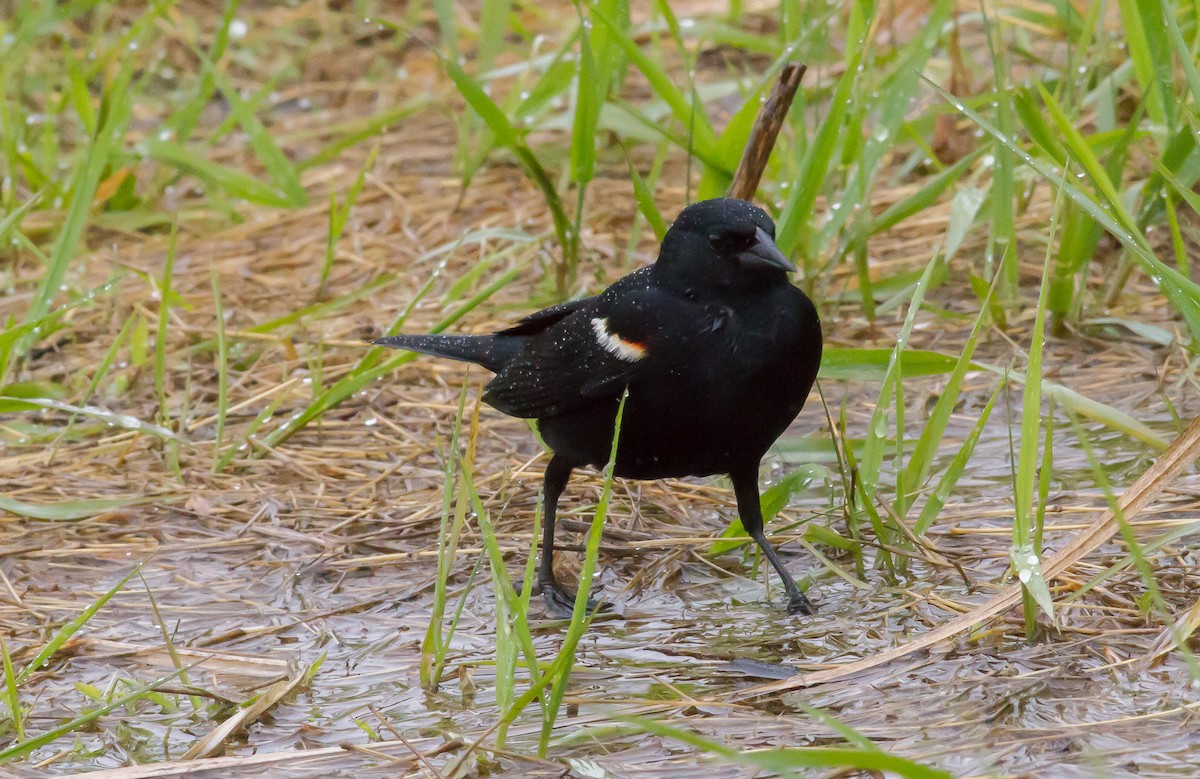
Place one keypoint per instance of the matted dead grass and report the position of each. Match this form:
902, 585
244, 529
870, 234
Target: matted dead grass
325, 545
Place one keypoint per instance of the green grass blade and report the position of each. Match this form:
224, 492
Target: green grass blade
184, 121
796, 215
25, 748
369, 369
645, 201
125, 421
920, 463
580, 617
453, 517
64, 634
73, 510
791, 759
13, 692
927, 194
160, 334
685, 112
222, 358
954, 471
1134, 31
1025, 556
229, 180
1183, 293
115, 110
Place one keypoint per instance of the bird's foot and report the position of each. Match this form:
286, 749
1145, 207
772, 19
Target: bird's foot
798, 604
561, 602
534, 589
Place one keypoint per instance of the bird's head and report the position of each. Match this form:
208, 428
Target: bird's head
722, 244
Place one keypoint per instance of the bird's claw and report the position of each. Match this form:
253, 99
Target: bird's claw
798, 604
561, 602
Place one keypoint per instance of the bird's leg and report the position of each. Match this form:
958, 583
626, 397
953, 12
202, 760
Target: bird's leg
745, 488
559, 601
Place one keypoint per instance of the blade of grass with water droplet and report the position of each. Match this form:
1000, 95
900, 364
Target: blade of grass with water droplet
115, 110
506, 136
127, 421
927, 194
184, 121
233, 182
1002, 238
1025, 555
521, 632
920, 462
796, 216
703, 141
954, 471
871, 460
1183, 293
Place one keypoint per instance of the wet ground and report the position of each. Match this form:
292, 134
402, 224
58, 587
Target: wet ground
265, 572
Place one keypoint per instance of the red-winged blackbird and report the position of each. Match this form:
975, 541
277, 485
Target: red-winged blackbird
717, 349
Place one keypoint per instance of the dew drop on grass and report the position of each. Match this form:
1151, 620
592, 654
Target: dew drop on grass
1032, 559
238, 29
1025, 575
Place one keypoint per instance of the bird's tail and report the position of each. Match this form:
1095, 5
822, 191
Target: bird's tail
490, 351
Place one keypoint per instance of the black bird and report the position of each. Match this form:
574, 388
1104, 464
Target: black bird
717, 349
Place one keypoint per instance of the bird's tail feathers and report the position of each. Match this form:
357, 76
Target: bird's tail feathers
490, 351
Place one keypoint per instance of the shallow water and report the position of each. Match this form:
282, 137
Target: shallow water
276, 571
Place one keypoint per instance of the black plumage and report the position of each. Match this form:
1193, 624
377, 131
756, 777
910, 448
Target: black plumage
717, 349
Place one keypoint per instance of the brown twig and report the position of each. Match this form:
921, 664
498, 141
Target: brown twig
766, 130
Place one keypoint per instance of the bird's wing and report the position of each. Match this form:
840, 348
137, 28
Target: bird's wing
540, 320
590, 353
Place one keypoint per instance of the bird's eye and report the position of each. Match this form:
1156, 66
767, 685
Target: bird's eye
728, 243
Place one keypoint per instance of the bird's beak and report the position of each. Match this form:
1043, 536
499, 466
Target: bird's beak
765, 254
